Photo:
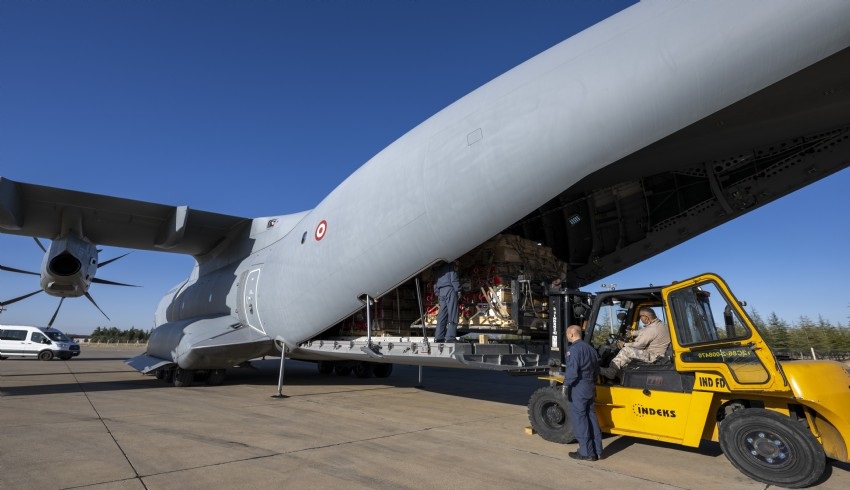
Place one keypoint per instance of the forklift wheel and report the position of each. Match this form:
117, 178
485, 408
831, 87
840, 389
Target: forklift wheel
772, 448
548, 411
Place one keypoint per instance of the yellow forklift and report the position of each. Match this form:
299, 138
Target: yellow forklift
776, 421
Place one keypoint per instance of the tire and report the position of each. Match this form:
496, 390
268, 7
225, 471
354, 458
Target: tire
382, 370
363, 370
771, 448
216, 377
183, 377
548, 411
342, 370
325, 367
45, 355
160, 374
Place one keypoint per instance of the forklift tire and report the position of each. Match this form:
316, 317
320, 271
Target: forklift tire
772, 448
548, 411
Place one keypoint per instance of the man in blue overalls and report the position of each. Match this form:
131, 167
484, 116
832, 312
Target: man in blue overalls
447, 289
580, 382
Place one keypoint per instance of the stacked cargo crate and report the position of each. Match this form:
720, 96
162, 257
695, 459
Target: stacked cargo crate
503, 283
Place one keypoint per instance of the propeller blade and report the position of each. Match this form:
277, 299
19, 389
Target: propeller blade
113, 260
11, 269
53, 318
15, 300
38, 242
88, 296
111, 283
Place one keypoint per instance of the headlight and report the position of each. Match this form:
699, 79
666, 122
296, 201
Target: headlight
61, 345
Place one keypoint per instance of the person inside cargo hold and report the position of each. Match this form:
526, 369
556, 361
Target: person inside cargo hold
650, 344
580, 381
447, 289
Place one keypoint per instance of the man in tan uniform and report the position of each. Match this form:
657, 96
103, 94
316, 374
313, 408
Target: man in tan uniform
650, 343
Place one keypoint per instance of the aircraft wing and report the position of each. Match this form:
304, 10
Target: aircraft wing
37, 211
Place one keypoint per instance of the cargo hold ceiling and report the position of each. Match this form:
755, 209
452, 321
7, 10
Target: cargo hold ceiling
774, 142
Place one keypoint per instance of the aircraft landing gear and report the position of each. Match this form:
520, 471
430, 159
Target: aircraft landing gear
183, 377
325, 367
363, 370
186, 377
216, 377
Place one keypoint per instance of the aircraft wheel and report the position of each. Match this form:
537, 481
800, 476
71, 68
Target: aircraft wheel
160, 374
363, 370
45, 355
216, 377
341, 370
382, 370
325, 367
548, 411
183, 377
771, 448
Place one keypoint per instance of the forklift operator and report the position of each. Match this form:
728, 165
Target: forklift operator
650, 344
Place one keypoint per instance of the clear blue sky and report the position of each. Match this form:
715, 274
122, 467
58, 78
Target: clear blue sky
261, 108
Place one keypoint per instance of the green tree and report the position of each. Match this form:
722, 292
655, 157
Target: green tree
778, 331
762, 327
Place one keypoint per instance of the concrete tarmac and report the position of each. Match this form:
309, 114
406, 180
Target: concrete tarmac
93, 422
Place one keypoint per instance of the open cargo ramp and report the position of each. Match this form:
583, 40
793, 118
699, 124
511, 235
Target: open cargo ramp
418, 351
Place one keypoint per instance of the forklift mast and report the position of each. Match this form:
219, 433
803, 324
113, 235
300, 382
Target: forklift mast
566, 307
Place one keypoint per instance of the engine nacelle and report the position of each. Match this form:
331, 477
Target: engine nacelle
69, 267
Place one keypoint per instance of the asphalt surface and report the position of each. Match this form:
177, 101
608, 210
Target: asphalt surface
93, 422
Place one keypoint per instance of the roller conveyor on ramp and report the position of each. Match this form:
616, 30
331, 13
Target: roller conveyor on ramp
510, 357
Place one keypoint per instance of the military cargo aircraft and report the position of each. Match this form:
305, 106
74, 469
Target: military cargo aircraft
659, 123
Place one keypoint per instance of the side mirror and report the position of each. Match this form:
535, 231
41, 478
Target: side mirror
46, 341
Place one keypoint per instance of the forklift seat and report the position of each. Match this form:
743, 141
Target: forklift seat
658, 375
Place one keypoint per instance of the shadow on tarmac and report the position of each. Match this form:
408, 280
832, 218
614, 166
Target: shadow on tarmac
473, 384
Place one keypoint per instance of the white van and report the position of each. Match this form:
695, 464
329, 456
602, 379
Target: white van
43, 343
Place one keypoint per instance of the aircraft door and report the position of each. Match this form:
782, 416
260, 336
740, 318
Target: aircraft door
249, 313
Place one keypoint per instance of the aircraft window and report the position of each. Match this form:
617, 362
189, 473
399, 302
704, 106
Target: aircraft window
13, 334
303, 237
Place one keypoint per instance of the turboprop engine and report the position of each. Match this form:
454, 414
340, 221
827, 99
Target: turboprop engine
67, 271
69, 267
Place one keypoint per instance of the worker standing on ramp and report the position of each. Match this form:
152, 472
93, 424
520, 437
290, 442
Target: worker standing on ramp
447, 289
